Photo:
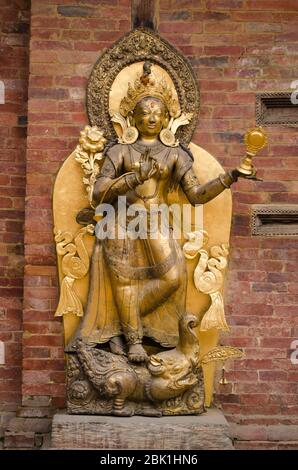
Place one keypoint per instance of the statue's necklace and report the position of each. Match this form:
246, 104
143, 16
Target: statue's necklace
154, 149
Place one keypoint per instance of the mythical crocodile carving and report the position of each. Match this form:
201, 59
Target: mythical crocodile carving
165, 382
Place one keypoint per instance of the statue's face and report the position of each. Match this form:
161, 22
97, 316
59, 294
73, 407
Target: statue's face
149, 116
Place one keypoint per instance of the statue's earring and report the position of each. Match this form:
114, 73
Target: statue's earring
166, 136
130, 134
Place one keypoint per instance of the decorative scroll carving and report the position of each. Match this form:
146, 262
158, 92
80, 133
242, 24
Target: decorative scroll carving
208, 277
137, 46
191, 402
75, 265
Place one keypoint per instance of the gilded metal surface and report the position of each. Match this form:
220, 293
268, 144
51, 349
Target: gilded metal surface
138, 46
222, 353
89, 153
146, 84
74, 262
149, 85
209, 277
217, 216
255, 140
144, 342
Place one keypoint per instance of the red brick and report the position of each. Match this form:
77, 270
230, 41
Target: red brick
35, 376
273, 376
244, 376
223, 112
58, 377
18, 424
58, 402
223, 27
225, 4
50, 45
40, 270
19, 440
272, 5
224, 50
54, 390
43, 364
70, 34
255, 445
176, 27
52, 69
249, 433
36, 352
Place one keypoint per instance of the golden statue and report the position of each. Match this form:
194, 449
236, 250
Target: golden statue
139, 322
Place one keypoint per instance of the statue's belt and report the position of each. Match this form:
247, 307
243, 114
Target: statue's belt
144, 272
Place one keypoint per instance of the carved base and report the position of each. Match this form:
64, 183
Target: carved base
190, 403
94, 394
209, 431
103, 383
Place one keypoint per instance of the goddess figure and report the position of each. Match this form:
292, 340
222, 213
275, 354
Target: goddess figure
141, 324
147, 273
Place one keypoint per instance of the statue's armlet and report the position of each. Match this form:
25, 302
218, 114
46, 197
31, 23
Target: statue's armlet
109, 184
183, 163
111, 169
103, 180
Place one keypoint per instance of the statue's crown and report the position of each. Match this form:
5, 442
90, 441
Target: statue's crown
149, 85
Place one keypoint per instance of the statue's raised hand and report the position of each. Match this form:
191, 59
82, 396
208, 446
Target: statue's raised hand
252, 176
147, 166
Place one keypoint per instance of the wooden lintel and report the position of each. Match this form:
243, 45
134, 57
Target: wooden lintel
144, 13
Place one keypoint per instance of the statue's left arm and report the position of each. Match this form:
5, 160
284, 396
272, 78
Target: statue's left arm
200, 194
194, 191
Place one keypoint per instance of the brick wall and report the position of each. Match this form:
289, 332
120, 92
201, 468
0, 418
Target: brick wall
237, 48
14, 26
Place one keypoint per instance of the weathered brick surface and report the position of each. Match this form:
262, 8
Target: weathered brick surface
237, 49
14, 28
19, 440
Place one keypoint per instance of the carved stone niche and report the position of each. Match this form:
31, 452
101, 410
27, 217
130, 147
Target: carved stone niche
276, 109
275, 220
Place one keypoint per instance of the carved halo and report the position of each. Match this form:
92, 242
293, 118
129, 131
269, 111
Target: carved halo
138, 46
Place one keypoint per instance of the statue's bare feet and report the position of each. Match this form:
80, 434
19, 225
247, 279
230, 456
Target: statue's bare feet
117, 346
137, 353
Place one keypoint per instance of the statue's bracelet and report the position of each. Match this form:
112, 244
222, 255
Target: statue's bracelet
133, 184
221, 179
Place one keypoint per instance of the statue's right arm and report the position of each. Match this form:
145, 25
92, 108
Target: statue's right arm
109, 186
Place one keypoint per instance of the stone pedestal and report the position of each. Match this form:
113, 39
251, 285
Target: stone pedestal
209, 431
